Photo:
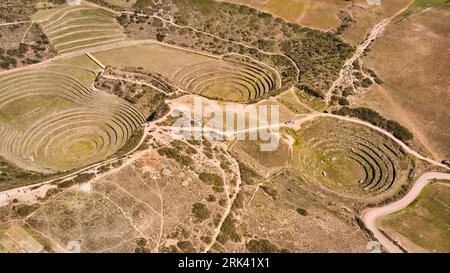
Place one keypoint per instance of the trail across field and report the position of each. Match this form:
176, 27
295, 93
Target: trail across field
14, 23
370, 216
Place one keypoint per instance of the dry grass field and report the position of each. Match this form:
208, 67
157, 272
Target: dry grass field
416, 84
321, 14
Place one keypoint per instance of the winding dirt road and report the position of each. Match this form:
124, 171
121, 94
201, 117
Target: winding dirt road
370, 216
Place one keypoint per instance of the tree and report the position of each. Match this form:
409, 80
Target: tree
343, 101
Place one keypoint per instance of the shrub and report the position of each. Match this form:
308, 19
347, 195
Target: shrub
366, 82
25, 210
262, 246
186, 246
211, 178
270, 191
200, 211
248, 175
343, 101
310, 91
302, 211
398, 130
176, 155
378, 80
160, 36
347, 91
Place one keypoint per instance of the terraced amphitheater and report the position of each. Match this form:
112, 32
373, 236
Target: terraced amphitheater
77, 28
50, 121
228, 80
349, 158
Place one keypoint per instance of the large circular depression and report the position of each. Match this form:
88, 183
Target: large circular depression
51, 122
347, 157
227, 80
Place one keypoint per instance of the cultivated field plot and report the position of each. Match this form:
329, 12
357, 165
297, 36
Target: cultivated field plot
80, 27
348, 158
424, 224
51, 121
204, 75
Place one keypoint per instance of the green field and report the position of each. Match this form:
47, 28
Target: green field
429, 214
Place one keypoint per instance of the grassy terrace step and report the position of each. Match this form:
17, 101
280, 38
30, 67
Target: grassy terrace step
202, 67
232, 74
70, 22
76, 46
94, 40
371, 155
83, 34
70, 43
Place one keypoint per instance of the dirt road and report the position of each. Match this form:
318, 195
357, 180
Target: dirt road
370, 216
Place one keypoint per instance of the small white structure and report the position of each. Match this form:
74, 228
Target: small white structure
374, 2
73, 2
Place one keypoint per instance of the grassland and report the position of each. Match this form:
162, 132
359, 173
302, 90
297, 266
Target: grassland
348, 159
121, 3
315, 14
293, 104
323, 14
220, 196
420, 5
424, 225
415, 89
